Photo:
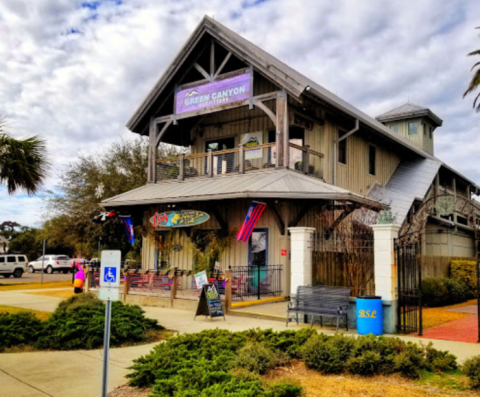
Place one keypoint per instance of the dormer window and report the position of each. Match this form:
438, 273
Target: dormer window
412, 128
431, 132
394, 128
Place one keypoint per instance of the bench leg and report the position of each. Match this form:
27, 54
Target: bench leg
288, 318
297, 318
311, 325
321, 321
346, 320
338, 318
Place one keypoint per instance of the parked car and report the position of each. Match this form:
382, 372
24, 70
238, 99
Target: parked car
13, 265
51, 263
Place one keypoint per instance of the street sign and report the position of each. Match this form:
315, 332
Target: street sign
108, 294
110, 270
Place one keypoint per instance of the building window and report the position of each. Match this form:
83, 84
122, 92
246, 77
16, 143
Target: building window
425, 129
342, 149
394, 128
372, 159
431, 132
412, 128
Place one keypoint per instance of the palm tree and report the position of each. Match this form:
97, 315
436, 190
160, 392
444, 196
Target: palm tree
475, 82
23, 162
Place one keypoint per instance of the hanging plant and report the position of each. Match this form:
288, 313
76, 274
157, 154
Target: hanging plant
208, 247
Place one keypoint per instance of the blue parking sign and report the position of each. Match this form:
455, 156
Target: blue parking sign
110, 275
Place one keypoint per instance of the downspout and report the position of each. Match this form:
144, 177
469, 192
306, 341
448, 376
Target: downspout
335, 144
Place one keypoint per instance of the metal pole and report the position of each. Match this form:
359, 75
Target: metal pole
106, 347
43, 258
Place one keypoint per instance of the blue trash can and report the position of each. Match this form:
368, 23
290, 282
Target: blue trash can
369, 315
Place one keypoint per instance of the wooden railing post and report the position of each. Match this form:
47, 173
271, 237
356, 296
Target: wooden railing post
241, 159
306, 160
210, 163
228, 291
181, 175
88, 280
173, 287
126, 286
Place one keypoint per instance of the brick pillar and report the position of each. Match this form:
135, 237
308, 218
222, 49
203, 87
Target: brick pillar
385, 272
301, 239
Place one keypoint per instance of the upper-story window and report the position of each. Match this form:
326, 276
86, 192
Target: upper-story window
394, 128
412, 128
372, 159
431, 132
425, 129
342, 149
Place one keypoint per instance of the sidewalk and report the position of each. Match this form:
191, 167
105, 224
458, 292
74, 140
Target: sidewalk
78, 373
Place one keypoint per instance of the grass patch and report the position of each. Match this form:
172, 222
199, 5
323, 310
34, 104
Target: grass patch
453, 380
14, 310
35, 285
435, 316
63, 293
316, 384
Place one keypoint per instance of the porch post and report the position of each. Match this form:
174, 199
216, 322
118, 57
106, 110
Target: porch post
385, 273
301, 261
152, 152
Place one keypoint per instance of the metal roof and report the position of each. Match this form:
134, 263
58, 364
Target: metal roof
263, 184
408, 111
411, 180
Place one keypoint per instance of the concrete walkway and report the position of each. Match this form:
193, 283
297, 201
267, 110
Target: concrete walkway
78, 373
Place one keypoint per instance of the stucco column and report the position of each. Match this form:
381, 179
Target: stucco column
301, 240
385, 272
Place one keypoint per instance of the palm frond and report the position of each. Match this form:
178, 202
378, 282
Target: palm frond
474, 83
476, 52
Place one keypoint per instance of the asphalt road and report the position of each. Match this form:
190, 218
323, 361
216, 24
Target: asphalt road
36, 277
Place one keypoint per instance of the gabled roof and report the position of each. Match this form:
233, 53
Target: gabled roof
409, 111
266, 184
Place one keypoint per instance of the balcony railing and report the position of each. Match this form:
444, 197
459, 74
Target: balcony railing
238, 161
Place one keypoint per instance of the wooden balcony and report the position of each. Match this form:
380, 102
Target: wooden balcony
238, 161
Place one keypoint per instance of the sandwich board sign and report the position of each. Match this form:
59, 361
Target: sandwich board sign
210, 303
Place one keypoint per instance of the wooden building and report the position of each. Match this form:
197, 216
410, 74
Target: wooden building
253, 128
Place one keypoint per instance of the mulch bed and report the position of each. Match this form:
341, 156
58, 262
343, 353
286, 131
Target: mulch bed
127, 391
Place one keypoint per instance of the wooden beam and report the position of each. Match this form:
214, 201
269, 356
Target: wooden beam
212, 59
280, 124
202, 71
222, 222
339, 219
152, 151
162, 131
269, 113
222, 65
277, 217
309, 205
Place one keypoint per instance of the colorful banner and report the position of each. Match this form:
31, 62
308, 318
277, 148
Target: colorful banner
184, 218
127, 222
213, 94
253, 215
252, 139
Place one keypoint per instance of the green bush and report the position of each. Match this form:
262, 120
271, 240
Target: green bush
368, 363
18, 329
457, 291
434, 292
255, 358
78, 323
471, 368
465, 272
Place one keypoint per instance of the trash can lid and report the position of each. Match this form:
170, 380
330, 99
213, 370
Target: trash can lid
369, 297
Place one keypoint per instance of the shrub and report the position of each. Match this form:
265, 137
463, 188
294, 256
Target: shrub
368, 363
434, 292
457, 291
440, 360
465, 272
471, 368
255, 358
18, 329
78, 323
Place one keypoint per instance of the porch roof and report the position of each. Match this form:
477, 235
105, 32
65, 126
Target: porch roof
272, 184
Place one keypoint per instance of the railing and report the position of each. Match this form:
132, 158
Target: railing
238, 161
256, 282
186, 287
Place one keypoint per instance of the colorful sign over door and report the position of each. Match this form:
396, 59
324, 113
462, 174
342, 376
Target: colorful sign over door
213, 94
184, 218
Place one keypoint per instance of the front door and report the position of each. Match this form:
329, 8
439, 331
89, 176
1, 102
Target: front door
258, 248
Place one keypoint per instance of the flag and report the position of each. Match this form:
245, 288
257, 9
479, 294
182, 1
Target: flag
253, 215
102, 218
127, 222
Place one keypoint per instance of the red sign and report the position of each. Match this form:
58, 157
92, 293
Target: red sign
284, 252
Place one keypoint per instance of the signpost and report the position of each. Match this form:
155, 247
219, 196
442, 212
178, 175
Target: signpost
109, 283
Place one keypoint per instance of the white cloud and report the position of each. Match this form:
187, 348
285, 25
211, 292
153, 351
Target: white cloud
76, 74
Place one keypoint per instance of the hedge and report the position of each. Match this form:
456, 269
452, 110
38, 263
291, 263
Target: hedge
466, 272
443, 291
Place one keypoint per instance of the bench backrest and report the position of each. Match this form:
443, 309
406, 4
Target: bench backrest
322, 296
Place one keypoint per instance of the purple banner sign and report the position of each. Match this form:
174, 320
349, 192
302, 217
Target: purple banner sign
213, 94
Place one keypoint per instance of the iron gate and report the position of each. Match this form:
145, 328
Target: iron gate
409, 276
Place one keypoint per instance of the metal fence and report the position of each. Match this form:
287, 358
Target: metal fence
187, 288
256, 282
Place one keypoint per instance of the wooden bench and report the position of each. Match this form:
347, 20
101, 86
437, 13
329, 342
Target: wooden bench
322, 302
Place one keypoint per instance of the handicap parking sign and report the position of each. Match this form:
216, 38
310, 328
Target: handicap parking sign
110, 275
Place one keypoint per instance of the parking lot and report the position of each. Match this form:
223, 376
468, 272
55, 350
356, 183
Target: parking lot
37, 277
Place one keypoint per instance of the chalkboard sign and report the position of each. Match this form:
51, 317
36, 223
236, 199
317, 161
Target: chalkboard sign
210, 303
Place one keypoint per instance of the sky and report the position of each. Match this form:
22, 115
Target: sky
75, 71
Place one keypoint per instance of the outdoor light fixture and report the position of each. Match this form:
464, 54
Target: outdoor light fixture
307, 88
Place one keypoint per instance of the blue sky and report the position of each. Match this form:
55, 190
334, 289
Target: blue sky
74, 71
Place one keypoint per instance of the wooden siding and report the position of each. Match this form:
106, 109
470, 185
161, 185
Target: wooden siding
421, 138
448, 242
439, 266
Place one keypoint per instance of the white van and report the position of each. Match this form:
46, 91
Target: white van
13, 264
